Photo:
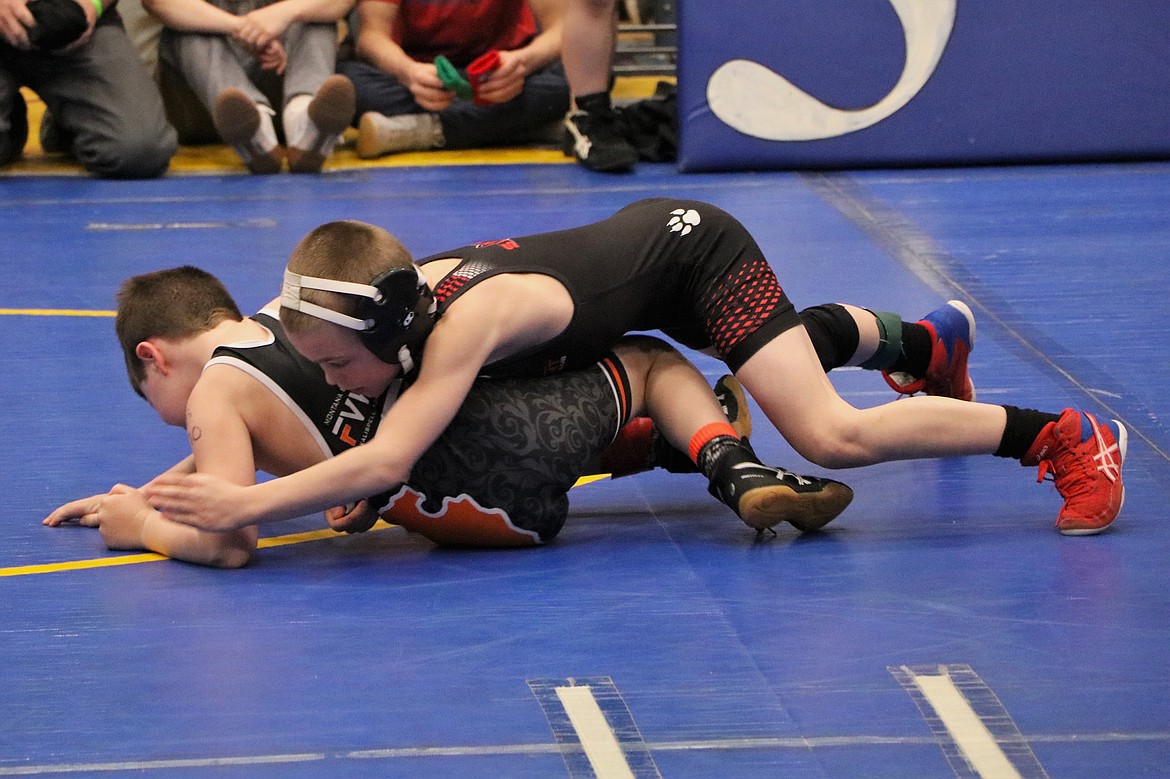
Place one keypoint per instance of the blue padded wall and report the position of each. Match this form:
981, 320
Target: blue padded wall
855, 83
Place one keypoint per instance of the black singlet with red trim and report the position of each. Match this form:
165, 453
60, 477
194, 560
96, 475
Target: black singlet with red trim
656, 264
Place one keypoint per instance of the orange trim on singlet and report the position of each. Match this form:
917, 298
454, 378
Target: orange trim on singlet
461, 521
618, 377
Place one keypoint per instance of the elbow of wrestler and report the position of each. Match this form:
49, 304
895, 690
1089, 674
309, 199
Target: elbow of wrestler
233, 558
231, 551
391, 473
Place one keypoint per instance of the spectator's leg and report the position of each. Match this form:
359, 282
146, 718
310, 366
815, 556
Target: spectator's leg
228, 82
185, 111
544, 100
587, 48
104, 100
318, 103
210, 64
377, 91
312, 58
587, 45
390, 118
13, 118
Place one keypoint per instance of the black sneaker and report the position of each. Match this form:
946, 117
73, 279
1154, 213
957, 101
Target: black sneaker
597, 144
763, 497
13, 119
53, 140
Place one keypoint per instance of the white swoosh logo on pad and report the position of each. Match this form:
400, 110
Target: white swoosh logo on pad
759, 102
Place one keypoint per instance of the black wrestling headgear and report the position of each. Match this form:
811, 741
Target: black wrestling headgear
396, 311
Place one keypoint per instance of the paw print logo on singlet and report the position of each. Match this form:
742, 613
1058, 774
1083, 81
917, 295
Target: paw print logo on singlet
683, 220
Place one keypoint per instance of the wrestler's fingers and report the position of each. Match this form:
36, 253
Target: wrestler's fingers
358, 519
78, 509
337, 512
171, 501
166, 490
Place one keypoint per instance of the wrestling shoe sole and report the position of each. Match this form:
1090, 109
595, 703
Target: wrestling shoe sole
764, 507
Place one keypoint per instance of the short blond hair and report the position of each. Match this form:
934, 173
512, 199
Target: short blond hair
346, 250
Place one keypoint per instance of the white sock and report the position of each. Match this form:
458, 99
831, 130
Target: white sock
265, 138
296, 119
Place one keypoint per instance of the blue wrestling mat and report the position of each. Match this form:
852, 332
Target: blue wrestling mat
940, 627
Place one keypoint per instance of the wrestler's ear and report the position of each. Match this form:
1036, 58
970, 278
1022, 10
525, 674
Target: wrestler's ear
150, 354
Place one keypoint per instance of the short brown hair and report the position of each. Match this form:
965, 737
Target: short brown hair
174, 304
345, 250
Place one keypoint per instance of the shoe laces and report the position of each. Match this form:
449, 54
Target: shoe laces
1069, 469
786, 475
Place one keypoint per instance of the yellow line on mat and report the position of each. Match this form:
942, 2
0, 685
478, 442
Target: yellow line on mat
52, 312
76, 565
310, 535
150, 557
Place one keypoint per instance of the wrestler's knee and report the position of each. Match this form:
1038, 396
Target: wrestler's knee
832, 443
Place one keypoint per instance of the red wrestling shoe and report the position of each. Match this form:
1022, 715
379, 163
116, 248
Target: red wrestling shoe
952, 328
1085, 459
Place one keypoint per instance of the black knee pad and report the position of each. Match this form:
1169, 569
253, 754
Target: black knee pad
833, 333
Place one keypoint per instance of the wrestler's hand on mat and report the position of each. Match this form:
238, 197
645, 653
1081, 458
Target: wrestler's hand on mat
356, 519
122, 517
84, 511
200, 500
119, 514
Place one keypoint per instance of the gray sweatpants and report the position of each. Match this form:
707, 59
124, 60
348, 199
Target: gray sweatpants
103, 101
209, 64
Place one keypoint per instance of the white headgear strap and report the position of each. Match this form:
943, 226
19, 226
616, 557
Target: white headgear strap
406, 359
290, 297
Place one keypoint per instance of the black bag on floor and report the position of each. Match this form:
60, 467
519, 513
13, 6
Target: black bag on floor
651, 125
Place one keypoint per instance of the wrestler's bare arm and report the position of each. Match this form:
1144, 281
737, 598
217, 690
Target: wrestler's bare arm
409, 428
221, 444
500, 317
127, 521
